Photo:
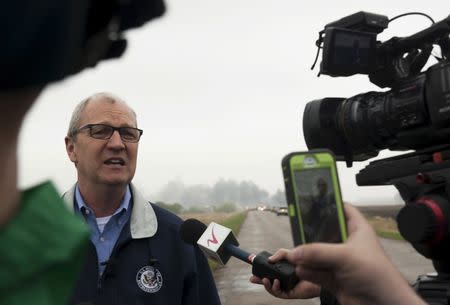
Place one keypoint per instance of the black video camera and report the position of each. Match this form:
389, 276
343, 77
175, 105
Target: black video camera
413, 115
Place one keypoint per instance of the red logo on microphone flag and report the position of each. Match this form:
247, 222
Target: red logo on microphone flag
214, 239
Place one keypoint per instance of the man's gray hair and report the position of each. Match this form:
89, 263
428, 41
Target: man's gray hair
78, 111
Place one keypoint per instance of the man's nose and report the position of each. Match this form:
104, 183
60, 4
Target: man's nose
116, 141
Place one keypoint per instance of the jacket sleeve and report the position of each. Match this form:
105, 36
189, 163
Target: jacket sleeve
199, 287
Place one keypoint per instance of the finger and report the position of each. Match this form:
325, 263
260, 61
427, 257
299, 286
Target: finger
274, 289
255, 280
267, 284
354, 217
279, 255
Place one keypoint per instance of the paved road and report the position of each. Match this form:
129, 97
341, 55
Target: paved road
266, 231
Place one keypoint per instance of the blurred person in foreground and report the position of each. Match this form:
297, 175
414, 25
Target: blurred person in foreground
42, 244
136, 255
355, 272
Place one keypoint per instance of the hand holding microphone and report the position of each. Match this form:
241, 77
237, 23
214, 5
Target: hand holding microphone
219, 244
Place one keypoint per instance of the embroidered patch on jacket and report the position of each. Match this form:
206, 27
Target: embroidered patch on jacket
149, 279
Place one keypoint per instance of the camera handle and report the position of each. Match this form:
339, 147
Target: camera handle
433, 288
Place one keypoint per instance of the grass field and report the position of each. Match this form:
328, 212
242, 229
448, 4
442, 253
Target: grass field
385, 227
382, 219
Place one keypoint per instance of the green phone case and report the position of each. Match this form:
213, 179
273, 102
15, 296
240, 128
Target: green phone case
313, 163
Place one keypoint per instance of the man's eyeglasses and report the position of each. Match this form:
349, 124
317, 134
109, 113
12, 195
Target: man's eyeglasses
105, 132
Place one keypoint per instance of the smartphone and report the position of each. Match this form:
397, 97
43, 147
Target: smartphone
314, 197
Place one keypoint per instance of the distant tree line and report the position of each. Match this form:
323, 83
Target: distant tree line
224, 195
178, 208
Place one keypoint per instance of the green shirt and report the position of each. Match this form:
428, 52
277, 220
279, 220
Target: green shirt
41, 250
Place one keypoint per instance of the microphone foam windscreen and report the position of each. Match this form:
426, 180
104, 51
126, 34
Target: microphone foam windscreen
191, 230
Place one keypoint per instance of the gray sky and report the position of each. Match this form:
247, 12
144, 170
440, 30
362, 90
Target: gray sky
219, 88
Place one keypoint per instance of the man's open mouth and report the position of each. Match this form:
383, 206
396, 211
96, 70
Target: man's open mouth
115, 161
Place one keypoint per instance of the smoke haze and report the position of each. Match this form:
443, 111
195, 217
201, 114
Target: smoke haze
243, 193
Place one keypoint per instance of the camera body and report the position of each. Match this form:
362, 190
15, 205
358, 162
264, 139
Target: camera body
414, 114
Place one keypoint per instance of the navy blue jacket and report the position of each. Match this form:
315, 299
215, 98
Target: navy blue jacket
152, 268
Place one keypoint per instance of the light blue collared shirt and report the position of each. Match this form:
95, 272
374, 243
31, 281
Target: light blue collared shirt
105, 241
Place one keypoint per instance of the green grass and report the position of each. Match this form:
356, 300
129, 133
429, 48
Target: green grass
234, 222
390, 235
385, 227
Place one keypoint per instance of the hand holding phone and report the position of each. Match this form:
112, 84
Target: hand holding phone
314, 197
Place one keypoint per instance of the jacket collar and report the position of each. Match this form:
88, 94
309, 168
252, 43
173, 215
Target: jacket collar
143, 221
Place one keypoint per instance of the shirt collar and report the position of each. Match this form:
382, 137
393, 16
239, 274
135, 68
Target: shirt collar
124, 204
143, 221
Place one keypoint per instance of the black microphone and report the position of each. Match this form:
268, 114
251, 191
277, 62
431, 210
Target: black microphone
219, 244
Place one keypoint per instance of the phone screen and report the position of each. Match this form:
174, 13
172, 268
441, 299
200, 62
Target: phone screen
317, 205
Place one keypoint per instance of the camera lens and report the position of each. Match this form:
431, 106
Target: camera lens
338, 124
319, 125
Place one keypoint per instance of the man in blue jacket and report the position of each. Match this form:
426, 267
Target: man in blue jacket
136, 255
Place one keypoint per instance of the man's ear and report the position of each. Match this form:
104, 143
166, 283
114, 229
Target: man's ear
70, 149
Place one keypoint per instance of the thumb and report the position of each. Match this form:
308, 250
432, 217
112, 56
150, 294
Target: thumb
318, 255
